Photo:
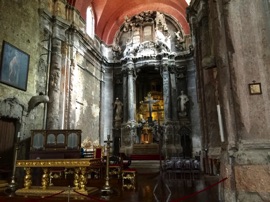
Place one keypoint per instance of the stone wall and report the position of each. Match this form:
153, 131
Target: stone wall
238, 47
20, 28
65, 64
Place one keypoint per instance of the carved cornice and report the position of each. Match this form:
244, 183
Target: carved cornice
138, 20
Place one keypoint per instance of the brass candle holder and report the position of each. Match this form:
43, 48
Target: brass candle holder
106, 190
12, 187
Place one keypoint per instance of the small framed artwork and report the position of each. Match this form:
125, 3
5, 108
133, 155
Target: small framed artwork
14, 66
255, 88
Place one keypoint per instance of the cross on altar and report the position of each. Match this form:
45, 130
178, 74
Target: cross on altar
150, 101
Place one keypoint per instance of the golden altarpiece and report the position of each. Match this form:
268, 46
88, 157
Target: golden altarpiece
149, 77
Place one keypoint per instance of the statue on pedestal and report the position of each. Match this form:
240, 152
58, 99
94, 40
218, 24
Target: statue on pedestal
182, 101
118, 105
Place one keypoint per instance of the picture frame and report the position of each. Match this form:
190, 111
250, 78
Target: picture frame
14, 66
255, 88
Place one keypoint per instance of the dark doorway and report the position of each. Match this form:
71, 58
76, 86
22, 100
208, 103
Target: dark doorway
186, 142
7, 140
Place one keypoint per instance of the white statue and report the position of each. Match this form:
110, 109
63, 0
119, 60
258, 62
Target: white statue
118, 105
182, 100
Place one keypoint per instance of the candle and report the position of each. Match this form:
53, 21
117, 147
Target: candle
221, 131
19, 134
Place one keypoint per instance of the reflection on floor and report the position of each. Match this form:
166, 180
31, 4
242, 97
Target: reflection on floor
168, 188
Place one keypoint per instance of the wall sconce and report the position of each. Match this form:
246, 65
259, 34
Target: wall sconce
255, 88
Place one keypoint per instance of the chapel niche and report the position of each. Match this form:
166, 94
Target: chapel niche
150, 105
148, 46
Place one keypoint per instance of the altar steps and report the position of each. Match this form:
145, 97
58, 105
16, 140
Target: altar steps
145, 166
146, 157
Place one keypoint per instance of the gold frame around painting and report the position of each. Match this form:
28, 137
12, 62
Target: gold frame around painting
255, 88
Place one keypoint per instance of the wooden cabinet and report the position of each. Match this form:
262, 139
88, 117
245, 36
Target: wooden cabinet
55, 144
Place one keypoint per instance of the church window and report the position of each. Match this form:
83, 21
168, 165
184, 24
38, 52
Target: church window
147, 33
136, 37
90, 22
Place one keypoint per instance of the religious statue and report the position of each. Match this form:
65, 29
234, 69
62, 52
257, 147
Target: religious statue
182, 100
118, 105
150, 101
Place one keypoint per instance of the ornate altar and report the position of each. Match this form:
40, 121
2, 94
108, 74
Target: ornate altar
55, 144
150, 110
78, 167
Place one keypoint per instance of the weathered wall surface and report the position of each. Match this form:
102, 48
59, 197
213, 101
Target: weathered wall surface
64, 63
239, 38
20, 28
88, 97
250, 56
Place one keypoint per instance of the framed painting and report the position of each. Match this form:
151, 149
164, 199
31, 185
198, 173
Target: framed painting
14, 66
255, 88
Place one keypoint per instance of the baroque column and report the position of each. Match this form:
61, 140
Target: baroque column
166, 91
128, 130
171, 142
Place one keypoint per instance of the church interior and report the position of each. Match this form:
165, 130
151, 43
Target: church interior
100, 91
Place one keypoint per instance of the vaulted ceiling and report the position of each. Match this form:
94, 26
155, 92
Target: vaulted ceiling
110, 14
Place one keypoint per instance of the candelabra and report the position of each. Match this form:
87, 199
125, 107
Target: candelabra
12, 187
106, 188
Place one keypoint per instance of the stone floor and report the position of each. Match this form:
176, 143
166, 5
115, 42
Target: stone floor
146, 183
144, 192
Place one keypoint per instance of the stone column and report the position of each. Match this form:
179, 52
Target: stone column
58, 40
72, 97
173, 91
166, 92
131, 93
54, 85
107, 118
128, 130
64, 85
125, 93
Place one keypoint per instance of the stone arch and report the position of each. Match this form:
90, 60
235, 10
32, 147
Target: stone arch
12, 108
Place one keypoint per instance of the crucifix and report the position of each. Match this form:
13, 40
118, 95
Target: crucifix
150, 101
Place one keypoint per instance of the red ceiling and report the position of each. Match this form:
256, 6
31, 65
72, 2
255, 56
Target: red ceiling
109, 14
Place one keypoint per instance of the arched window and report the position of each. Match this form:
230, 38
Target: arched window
90, 22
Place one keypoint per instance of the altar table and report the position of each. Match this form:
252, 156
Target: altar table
79, 167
